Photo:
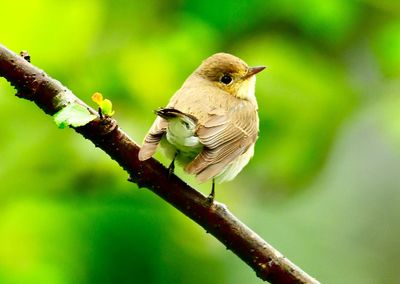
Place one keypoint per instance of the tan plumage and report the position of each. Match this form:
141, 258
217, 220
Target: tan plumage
210, 127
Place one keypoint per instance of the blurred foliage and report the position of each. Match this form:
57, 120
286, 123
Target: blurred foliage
323, 186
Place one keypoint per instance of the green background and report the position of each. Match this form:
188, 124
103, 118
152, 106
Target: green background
323, 187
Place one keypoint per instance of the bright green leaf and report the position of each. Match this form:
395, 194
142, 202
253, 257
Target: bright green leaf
106, 107
73, 115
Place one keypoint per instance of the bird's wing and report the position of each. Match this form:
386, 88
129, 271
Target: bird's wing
153, 138
225, 137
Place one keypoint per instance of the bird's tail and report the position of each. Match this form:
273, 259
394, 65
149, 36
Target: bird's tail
169, 113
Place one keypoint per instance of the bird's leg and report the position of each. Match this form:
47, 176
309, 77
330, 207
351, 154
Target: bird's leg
211, 197
171, 166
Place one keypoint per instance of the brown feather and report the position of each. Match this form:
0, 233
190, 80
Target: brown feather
224, 142
152, 139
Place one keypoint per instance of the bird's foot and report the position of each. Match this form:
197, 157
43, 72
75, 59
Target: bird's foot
171, 168
211, 196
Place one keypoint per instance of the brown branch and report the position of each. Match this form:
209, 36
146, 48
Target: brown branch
50, 95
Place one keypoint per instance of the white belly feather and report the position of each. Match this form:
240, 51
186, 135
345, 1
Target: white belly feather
180, 139
236, 166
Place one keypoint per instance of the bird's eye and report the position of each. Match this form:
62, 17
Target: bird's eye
226, 79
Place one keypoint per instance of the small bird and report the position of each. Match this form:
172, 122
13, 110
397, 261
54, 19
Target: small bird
211, 123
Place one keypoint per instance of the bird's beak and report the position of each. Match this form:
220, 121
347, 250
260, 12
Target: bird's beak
254, 70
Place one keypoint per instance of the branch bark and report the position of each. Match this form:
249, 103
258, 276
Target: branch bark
50, 95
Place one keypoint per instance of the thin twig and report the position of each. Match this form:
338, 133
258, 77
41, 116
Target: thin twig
51, 96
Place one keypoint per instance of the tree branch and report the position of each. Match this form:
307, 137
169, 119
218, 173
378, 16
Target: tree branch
50, 95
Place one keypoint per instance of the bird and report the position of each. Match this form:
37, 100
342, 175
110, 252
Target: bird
211, 124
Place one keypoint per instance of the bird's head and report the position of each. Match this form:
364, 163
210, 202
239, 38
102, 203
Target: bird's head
230, 74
